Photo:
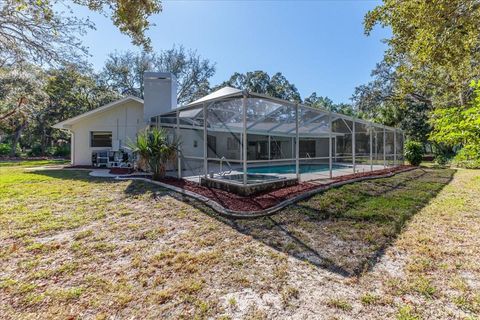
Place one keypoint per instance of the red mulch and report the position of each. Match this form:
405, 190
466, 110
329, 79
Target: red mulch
121, 170
266, 199
80, 167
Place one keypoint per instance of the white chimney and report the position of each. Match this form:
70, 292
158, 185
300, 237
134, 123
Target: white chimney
160, 93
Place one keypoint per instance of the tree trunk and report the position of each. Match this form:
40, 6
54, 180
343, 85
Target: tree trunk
16, 137
43, 141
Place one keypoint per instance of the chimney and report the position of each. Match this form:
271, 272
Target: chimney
159, 95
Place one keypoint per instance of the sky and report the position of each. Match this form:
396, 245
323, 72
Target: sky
317, 45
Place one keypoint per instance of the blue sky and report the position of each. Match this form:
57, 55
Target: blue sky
318, 45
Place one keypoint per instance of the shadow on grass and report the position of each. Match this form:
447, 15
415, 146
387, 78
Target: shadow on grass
345, 230
133, 188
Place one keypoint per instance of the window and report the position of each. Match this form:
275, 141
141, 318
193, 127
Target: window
101, 139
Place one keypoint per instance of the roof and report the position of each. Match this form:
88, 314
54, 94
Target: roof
64, 124
312, 119
221, 93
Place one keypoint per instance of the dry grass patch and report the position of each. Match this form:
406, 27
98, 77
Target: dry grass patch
77, 247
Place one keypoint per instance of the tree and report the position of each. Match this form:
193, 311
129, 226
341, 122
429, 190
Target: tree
32, 100
123, 72
380, 101
459, 126
33, 31
434, 47
21, 98
260, 82
131, 17
71, 91
326, 103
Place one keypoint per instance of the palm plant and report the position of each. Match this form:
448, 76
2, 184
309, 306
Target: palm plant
156, 150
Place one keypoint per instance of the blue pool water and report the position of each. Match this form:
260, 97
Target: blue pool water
290, 168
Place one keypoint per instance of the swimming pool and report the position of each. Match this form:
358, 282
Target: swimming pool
290, 168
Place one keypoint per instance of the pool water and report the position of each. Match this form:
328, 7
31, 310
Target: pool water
290, 168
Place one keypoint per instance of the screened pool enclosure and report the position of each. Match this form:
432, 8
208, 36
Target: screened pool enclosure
247, 138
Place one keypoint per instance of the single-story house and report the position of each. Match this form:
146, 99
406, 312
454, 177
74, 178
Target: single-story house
238, 136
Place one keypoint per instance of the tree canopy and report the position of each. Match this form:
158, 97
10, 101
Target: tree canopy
36, 31
261, 82
326, 103
423, 82
33, 99
434, 47
123, 72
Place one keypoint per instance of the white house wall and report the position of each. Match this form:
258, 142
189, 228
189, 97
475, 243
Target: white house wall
124, 121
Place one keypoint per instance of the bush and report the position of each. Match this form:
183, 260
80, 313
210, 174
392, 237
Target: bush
468, 157
441, 159
413, 152
4, 149
35, 151
155, 148
61, 151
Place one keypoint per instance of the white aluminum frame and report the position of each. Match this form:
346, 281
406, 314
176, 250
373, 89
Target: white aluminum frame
244, 131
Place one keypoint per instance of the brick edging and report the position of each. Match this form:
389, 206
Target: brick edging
266, 212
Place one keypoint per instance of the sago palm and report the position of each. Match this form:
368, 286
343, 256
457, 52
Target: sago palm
156, 150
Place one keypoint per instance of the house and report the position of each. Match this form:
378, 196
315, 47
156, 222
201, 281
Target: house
234, 137
115, 125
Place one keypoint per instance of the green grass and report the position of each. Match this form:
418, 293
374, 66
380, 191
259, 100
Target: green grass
73, 246
339, 303
33, 163
367, 215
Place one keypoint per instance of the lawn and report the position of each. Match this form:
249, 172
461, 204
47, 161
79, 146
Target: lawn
404, 247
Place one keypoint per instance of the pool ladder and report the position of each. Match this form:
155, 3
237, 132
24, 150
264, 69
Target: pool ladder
222, 173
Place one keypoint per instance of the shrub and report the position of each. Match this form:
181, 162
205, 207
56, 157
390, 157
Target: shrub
61, 151
35, 151
4, 149
156, 149
441, 159
468, 157
413, 152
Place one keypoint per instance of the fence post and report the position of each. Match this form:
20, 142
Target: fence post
353, 145
371, 148
395, 147
179, 160
384, 145
330, 143
245, 143
297, 145
205, 142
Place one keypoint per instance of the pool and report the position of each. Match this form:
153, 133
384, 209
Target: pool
290, 168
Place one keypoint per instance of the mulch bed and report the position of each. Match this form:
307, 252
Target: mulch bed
80, 167
264, 200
